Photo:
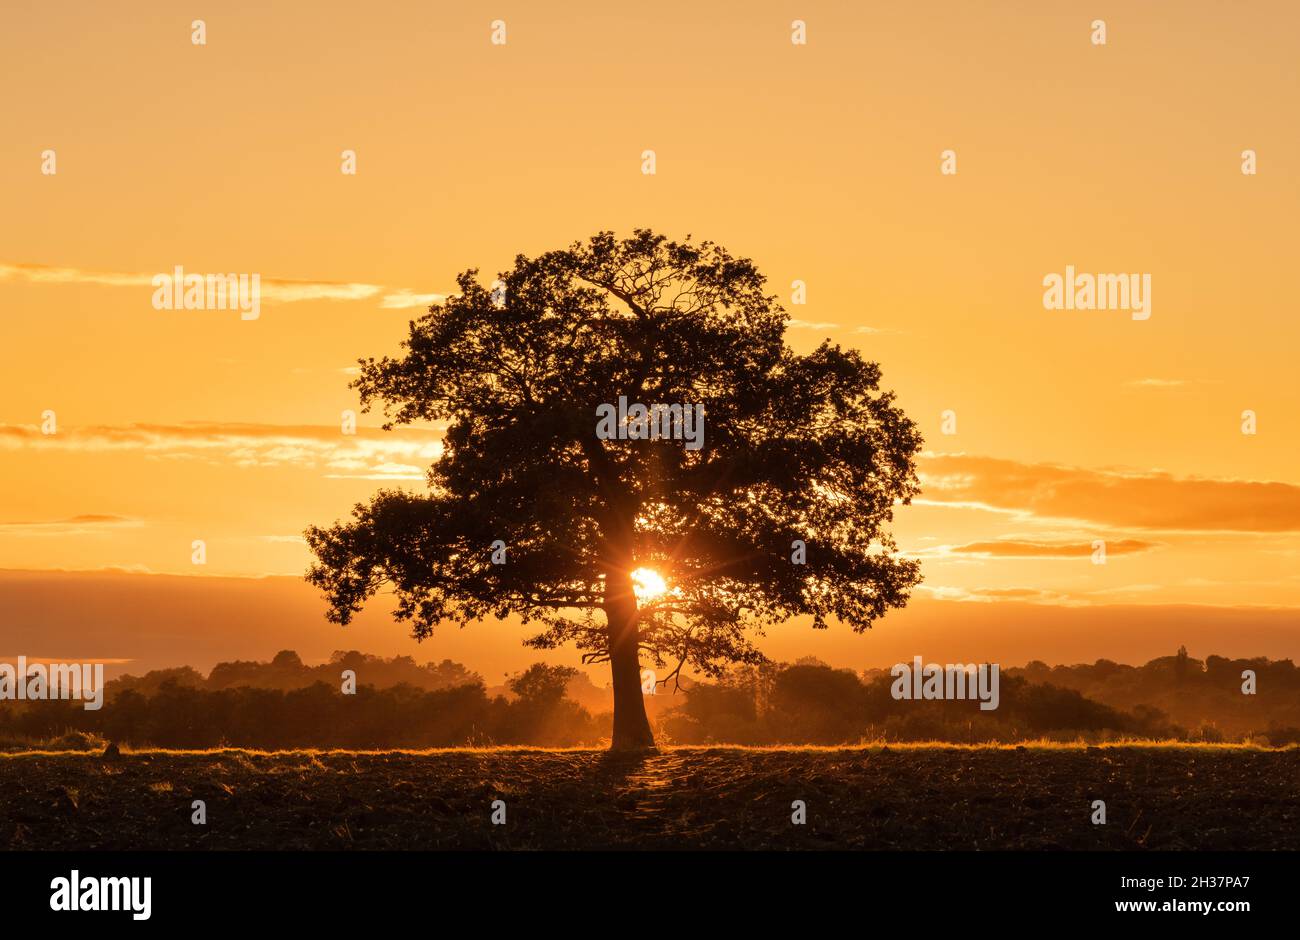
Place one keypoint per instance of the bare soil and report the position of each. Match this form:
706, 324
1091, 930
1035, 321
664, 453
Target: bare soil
1159, 797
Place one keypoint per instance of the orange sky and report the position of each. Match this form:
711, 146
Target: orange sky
820, 162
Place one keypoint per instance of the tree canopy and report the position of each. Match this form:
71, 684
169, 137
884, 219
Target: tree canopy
795, 448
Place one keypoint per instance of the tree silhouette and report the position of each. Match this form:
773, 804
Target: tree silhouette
796, 447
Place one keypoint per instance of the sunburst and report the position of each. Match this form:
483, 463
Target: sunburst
648, 584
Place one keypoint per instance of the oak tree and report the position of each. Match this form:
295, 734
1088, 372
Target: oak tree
783, 511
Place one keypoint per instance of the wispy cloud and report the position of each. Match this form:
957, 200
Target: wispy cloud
1168, 383
1033, 548
994, 595
405, 299
81, 525
796, 324
383, 471
1158, 383
370, 453
273, 289
1131, 500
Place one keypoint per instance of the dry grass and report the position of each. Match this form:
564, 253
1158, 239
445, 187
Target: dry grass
865, 747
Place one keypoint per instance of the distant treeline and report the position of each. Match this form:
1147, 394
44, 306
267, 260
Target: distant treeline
1170, 697
398, 703
284, 704
287, 671
1196, 694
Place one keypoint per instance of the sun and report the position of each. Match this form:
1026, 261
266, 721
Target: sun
648, 584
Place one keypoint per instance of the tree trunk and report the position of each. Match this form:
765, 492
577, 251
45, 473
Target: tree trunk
631, 727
